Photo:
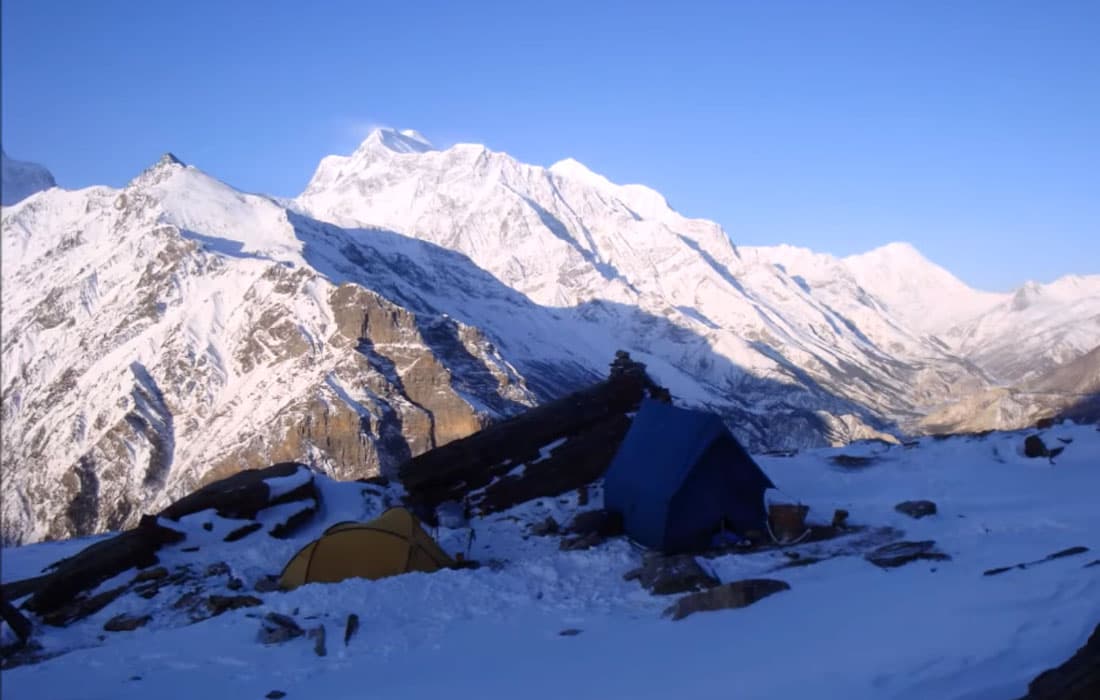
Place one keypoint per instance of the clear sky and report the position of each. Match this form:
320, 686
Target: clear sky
970, 129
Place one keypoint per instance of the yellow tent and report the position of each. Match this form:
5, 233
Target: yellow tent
391, 544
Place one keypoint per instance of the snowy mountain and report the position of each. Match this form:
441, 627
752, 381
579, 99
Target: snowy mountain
20, 179
163, 334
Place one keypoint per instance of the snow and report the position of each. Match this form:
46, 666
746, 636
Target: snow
281, 485
845, 629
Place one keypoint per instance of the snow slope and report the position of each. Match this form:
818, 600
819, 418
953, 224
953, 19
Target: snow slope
845, 629
20, 179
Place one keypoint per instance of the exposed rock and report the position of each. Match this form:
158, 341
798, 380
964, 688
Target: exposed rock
1076, 679
267, 584
276, 629
1034, 447
601, 522
579, 542
916, 509
900, 553
1071, 551
218, 604
81, 607
275, 695
99, 562
840, 518
235, 584
669, 574
14, 619
152, 574
317, 634
853, 461
294, 522
244, 494
351, 627
126, 623
218, 569
738, 594
242, 532
546, 527
570, 632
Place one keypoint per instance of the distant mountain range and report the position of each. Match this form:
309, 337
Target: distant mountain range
176, 329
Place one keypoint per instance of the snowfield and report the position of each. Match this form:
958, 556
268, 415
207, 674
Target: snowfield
846, 628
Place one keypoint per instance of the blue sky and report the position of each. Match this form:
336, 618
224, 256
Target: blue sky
971, 129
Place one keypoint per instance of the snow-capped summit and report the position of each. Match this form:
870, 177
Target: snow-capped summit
407, 141
20, 179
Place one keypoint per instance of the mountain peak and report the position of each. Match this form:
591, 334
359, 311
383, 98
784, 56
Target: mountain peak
170, 158
20, 179
407, 141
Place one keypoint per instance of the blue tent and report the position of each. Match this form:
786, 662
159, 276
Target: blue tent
678, 475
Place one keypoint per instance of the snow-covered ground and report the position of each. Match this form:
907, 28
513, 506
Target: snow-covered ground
930, 629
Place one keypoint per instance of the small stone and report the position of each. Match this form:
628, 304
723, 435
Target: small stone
546, 527
153, 574
208, 526
217, 569
840, 518
317, 634
601, 522
916, 509
669, 574
135, 678
125, 623
275, 695
235, 584
579, 542
571, 632
350, 628
900, 553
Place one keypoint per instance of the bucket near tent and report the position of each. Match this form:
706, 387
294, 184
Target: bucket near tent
787, 521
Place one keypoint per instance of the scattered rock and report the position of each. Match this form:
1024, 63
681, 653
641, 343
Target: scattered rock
217, 569
840, 518
669, 574
900, 553
275, 695
852, 461
235, 584
218, 604
317, 634
738, 594
276, 629
81, 607
135, 678
208, 526
601, 522
126, 623
187, 600
916, 509
582, 496
267, 584
153, 574
189, 549
1095, 562
546, 527
1071, 551
1044, 423
242, 532
571, 632
1034, 447
351, 627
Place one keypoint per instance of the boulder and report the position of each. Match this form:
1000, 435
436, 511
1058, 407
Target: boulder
738, 594
126, 623
579, 542
916, 509
546, 527
246, 493
81, 607
840, 518
1035, 447
897, 554
267, 584
668, 574
294, 522
95, 564
601, 522
242, 532
155, 573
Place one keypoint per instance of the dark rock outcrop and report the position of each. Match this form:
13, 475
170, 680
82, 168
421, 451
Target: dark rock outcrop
1076, 679
1035, 447
600, 522
244, 494
898, 554
276, 629
738, 594
126, 623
